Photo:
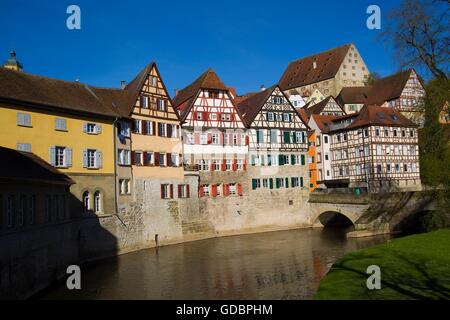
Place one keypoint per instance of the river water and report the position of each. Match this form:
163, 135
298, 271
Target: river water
278, 265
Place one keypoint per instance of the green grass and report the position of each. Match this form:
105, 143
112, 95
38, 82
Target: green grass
415, 267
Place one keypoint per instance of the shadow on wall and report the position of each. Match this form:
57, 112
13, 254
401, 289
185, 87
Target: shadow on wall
36, 256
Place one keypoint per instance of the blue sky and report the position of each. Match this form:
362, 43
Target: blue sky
248, 43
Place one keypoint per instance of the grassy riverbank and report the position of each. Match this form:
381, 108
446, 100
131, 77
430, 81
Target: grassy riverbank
415, 267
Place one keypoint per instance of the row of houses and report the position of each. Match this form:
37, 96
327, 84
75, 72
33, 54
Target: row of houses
134, 144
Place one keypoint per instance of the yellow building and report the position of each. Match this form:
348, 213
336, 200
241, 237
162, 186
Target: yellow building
68, 125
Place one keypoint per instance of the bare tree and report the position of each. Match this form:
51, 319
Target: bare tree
419, 31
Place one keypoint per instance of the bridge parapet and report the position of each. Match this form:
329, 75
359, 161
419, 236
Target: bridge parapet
338, 198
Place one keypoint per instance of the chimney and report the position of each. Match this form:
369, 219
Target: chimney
123, 84
262, 88
314, 65
13, 63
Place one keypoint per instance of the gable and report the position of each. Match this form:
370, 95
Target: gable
153, 99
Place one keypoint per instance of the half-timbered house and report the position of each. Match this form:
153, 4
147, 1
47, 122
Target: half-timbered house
326, 107
215, 138
278, 143
375, 150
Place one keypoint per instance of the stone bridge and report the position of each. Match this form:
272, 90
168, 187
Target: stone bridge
376, 214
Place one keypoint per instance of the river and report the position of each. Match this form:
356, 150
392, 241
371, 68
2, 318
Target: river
277, 265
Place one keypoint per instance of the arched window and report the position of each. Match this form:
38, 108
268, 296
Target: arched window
86, 201
97, 202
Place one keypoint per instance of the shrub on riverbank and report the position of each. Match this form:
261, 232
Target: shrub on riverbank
415, 267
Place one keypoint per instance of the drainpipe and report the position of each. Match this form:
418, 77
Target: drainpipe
116, 207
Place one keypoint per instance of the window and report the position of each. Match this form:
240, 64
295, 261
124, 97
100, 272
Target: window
60, 153
216, 165
259, 136
124, 157
144, 101
137, 126
97, 202
411, 133
229, 165
295, 182
23, 119
240, 164
377, 132
183, 191
303, 159
205, 190
174, 131
10, 210
318, 141
162, 160
203, 165
386, 132
405, 167
167, 191
138, 158
32, 210
86, 201
270, 116
277, 100
273, 136
233, 189
325, 139
124, 186
256, 184
161, 104
123, 128
215, 138
287, 117
319, 157
327, 156
226, 117
60, 124
149, 159
24, 147
91, 128
92, 159
148, 128
395, 133
162, 129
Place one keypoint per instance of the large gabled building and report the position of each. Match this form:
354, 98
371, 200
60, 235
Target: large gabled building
278, 143
328, 71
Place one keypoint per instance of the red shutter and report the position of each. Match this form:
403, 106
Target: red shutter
197, 138
194, 115
239, 190
221, 138
225, 187
239, 140
247, 140
179, 191
133, 158
171, 191
230, 139
245, 164
188, 191
209, 138
212, 166
133, 126
234, 164
169, 159
154, 128
232, 117
214, 190
224, 165
201, 192
205, 116
157, 159
169, 130
144, 157
162, 191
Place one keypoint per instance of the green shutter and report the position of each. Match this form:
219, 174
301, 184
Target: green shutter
254, 184
280, 160
301, 182
278, 183
271, 183
287, 137
292, 160
287, 182
303, 159
293, 183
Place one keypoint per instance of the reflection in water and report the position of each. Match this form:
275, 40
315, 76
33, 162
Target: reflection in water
279, 265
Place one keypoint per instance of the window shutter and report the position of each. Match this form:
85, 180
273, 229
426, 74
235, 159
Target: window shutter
197, 138
169, 159
247, 140
157, 159
85, 127
239, 189
52, 155
221, 138
133, 158
201, 191
253, 184
69, 157
234, 164
277, 183
303, 137
171, 191
144, 127
245, 164
20, 119
239, 140
188, 191
303, 159
162, 191
232, 117
144, 158
271, 183
224, 165
99, 160
205, 116
292, 159
212, 166
301, 182
209, 138
98, 128
85, 158
169, 130
214, 190
179, 191
194, 115
280, 160
287, 182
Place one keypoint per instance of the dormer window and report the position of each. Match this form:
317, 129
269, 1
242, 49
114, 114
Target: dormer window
144, 102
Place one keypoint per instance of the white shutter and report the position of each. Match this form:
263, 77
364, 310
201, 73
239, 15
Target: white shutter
52, 155
99, 163
85, 158
20, 119
98, 128
27, 119
85, 127
68, 157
